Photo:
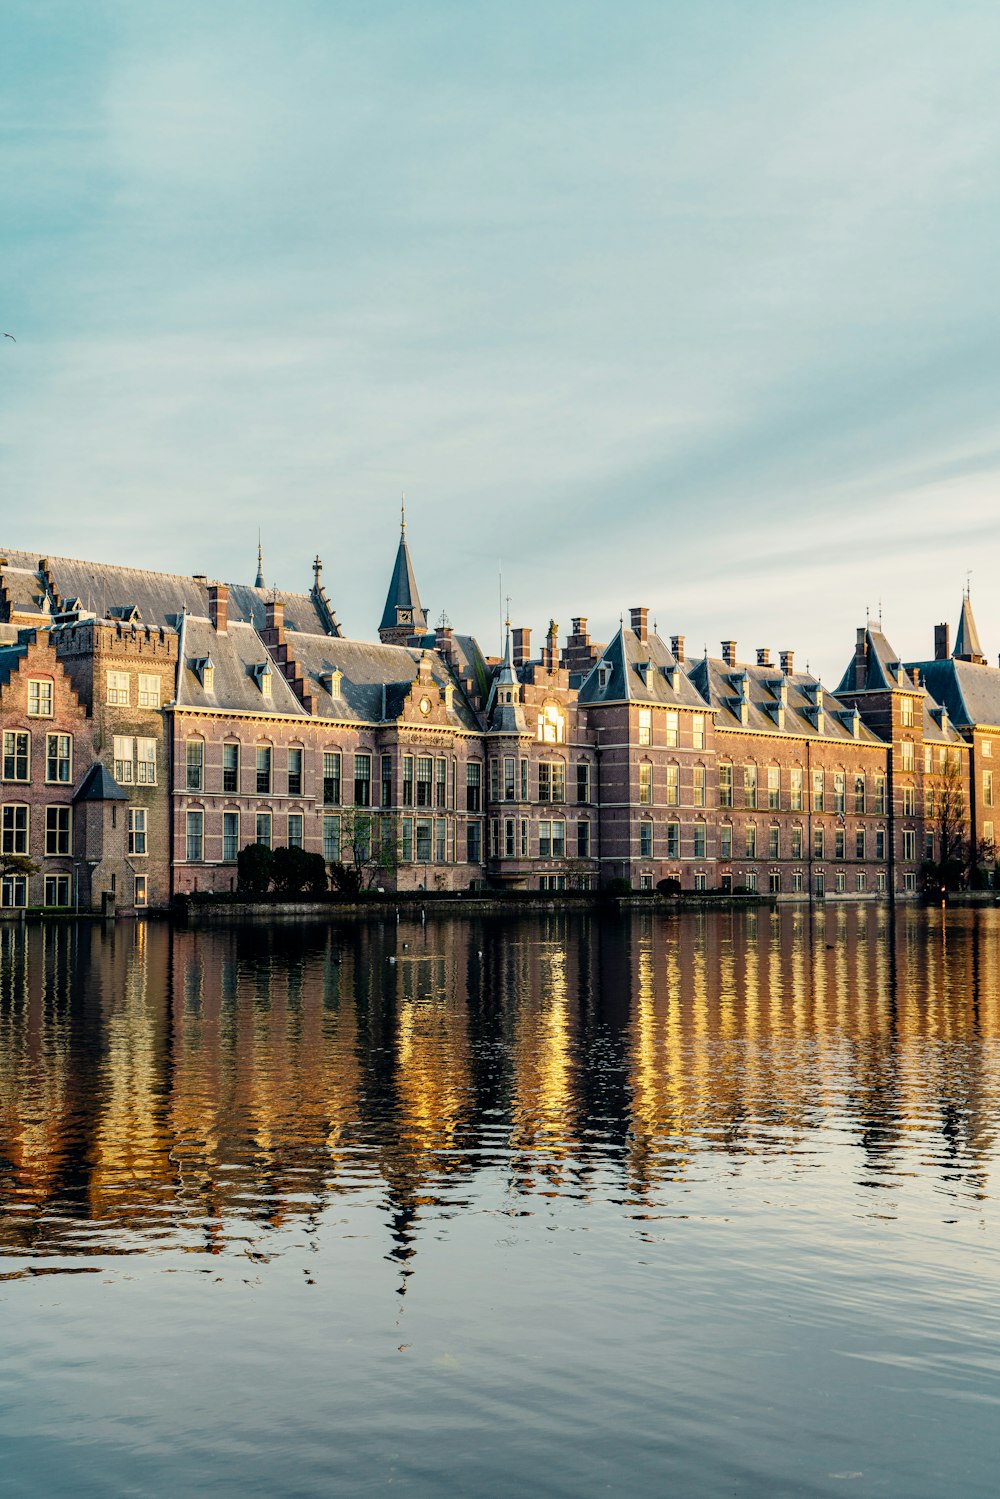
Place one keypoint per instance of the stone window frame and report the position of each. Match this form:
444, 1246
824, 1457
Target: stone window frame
66, 780
54, 834
15, 734
15, 839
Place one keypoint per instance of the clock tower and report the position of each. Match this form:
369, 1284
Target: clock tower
403, 616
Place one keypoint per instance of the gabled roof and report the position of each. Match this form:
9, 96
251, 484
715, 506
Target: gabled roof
99, 785
967, 638
776, 702
969, 691
10, 657
403, 589
639, 671
883, 670
375, 679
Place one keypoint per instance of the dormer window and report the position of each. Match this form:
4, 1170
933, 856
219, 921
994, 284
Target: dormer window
263, 674
602, 676
332, 681
205, 667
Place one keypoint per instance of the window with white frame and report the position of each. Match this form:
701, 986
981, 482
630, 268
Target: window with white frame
194, 837
263, 762
57, 890
149, 690
795, 788
118, 689
698, 786
671, 728
58, 832
59, 759
474, 786
40, 697
906, 712
700, 840
14, 828
774, 788
137, 832
726, 840
645, 784
673, 786
195, 763
14, 891
263, 828
551, 724
725, 785
295, 826
987, 788
645, 840
231, 766
645, 726
331, 837
698, 731
551, 781
139, 894
906, 755
230, 837
16, 755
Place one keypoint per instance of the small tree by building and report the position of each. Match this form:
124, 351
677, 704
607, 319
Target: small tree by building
254, 867
369, 850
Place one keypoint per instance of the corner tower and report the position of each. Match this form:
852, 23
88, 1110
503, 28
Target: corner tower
403, 615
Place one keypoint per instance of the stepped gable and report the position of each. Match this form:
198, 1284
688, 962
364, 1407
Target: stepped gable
767, 700
236, 658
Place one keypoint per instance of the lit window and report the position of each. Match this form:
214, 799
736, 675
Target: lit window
671, 728
773, 788
750, 785
795, 788
645, 726
725, 785
698, 730
551, 724
149, 690
906, 752
906, 713
645, 784
673, 785
145, 762
124, 759
140, 890
698, 789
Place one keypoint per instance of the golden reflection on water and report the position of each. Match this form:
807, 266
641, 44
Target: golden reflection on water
165, 1087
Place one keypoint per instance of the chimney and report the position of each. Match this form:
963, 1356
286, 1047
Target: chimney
275, 615
550, 655
915, 675
580, 626
788, 662
729, 652
522, 645
942, 642
763, 655
677, 648
640, 623
218, 607
443, 640
861, 658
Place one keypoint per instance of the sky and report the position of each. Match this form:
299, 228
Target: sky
689, 305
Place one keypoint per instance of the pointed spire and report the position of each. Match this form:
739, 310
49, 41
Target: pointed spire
403, 615
967, 647
259, 580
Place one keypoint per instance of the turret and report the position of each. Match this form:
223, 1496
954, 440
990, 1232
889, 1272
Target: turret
403, 615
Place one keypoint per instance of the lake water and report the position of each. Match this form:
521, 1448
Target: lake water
568, 1205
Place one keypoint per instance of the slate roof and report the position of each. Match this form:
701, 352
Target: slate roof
724, 687
235, 684
641, 672
970, 692
368, 669
25, 590
160, 598
10, 655
99, 785
403, 590
883, 668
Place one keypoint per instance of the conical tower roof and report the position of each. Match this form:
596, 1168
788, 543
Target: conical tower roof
967, 647
403, 610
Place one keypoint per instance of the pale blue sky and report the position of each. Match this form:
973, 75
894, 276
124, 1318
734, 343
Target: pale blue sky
692, 305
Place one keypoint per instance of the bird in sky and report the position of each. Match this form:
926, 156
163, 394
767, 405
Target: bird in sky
11, 337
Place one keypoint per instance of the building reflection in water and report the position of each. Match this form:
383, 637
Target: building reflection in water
172, 1088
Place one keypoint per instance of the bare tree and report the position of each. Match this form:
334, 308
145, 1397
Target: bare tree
369, 849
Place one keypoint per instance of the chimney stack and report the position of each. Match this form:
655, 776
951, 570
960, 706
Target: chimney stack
915, 675
677, 648
640, 623
729, 652
763, 655
861, 658
443, 640
942, 642
522, 645
787, 662
218, 607
275, 615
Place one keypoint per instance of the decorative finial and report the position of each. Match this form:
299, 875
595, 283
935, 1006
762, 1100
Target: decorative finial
259, 580
507, 620
880, 614
402, 515
317, 568
968, 583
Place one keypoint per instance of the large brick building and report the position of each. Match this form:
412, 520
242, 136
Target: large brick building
153, 725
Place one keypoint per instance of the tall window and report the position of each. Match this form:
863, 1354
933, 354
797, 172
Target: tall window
819, 791
140, 890
59, 758
551, 724
362, 780
195, 840
295, 830
495, 781
230, 836
674, 840
17, 754
839, 844
331, 837
510, 779
58, 837
726, 840
795, 788
425, 774
295, 772
145, 762
57, 890
422, 828
774, 788
700, 843
909, 845
839, 791
551, 781
859, 794
909, 801
149, 690
878, 799
645, 840
773, 842
524, 780
645, 784
699, 785
474, 842
751, 840
386, 768
906, 712
698, 730
859, 844
263, 828
880, 844
118, 689
906, 749
263, 770
195, 758
819, 842
440, 784
796, 843
645, 726
230, 767
750, 785
407, 780
440, 847
137, 832
331, 778
582, 781
673, 786
671, 733
987, 788
725, 785
474, 787
583, 840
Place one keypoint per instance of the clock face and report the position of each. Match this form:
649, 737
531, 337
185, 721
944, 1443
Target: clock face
404, 616
424, 705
